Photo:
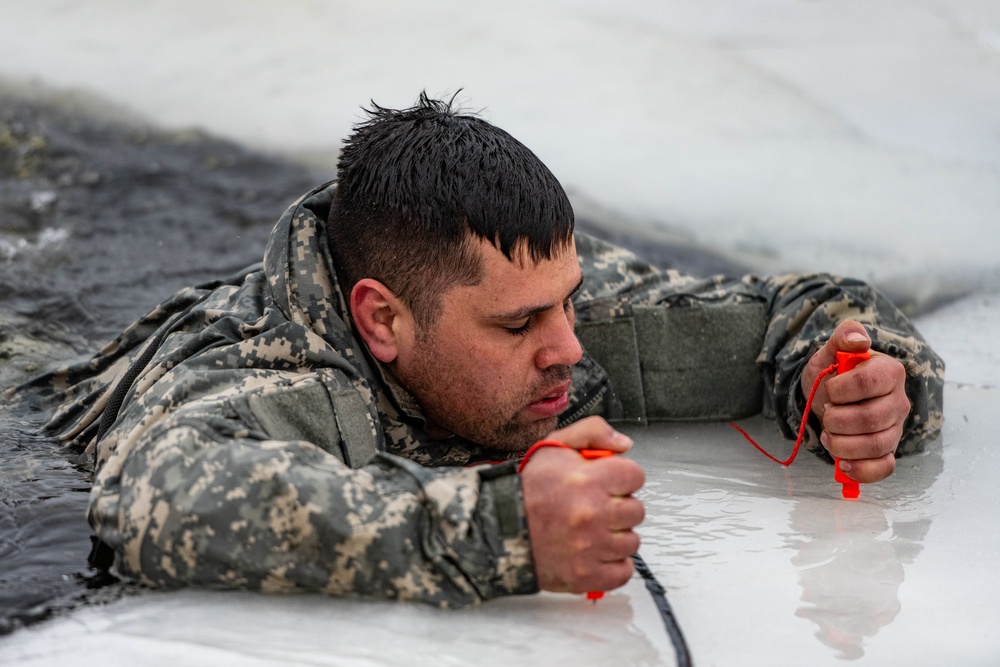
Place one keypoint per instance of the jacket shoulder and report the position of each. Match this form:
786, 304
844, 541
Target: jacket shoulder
325, 409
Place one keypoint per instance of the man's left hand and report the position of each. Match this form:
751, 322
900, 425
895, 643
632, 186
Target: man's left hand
862, 411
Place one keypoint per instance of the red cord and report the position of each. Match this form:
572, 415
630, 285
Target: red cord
832, 368
535, 447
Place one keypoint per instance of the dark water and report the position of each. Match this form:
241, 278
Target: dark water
43, 539
100, 218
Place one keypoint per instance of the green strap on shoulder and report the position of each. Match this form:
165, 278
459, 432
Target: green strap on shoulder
357, 439
692, 362
331, 414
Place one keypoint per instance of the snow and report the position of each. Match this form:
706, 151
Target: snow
857, 137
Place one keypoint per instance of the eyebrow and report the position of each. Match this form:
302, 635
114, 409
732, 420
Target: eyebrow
528, 311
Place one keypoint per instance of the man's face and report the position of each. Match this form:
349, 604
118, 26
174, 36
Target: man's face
494, 367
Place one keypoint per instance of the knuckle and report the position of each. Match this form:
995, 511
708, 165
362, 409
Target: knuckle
872, 447
579, 570
869, 420
894, 438
879, 448
878, 470
640, 513
905, 405
890, 465
866, 383
875, 445
625, 574
582, 516
637, 475
581, 544
632, 543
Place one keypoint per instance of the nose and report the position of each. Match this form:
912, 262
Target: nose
560, 346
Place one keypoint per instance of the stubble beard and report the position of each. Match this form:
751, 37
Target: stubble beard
497, 425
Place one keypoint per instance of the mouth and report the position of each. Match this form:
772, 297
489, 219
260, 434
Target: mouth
553, 402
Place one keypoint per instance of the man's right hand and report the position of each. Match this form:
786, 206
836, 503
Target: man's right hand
581, 513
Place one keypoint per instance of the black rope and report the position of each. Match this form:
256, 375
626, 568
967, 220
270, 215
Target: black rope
102, 557
666, 613
110, 414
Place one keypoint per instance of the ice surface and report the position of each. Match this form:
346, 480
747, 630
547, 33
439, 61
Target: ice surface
763, 566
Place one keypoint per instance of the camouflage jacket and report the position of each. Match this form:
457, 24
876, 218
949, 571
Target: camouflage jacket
257, 445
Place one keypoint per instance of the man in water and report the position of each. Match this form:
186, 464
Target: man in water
348, 416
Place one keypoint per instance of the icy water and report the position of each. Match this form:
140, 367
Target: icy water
43, 542
100, 218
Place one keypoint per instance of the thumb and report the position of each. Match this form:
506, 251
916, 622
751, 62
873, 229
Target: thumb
592, 433
849, 336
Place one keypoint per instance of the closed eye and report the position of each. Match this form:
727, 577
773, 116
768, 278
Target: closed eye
530, 314
521, 330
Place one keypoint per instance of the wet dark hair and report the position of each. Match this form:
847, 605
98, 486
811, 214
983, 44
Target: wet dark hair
417, 186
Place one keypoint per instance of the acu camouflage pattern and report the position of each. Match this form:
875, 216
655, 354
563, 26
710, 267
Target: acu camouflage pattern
798, 313
262, 448
199, 482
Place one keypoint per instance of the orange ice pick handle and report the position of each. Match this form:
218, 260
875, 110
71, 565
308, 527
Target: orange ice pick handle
845, 362
595, 454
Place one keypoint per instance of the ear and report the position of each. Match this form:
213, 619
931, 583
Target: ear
381, 318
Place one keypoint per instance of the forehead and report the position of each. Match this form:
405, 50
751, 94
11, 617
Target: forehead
510, 284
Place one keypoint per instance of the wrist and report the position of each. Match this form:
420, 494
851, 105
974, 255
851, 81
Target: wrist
541, 444
502, 501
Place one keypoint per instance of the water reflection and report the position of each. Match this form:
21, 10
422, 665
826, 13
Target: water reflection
762, 531
612, 630
851, 555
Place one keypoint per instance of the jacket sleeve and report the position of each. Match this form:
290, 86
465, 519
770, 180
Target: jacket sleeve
705, 333
803, 311
201, 496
